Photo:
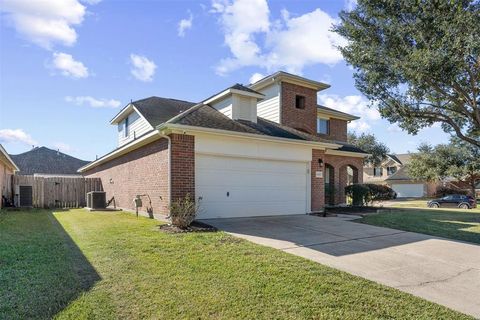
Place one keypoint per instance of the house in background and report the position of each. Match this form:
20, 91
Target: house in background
265, 149
394, 173
7, 170
42, 161
47, 178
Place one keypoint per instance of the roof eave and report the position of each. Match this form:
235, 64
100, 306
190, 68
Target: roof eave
291, 78
166, 128
12, 164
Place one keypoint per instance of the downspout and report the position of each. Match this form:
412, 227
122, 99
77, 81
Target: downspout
169, 168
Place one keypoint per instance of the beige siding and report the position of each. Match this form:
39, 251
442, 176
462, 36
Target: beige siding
137, 126
269, 107
224, 106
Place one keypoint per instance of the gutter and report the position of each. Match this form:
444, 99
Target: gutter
185, 128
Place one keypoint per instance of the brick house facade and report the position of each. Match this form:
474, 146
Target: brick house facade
157, 154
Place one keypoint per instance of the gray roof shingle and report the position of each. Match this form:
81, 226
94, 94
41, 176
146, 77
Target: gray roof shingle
159, 110
45, 160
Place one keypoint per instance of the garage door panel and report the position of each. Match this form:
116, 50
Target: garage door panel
227, 178
408, 190
238, 209
240, 194
255, 187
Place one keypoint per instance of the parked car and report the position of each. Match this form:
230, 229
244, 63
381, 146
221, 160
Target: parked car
453, 201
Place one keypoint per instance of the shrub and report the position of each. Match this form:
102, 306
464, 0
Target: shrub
183, 211
363, 194
443, 191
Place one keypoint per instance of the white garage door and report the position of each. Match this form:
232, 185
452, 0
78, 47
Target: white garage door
408, 190
241, 187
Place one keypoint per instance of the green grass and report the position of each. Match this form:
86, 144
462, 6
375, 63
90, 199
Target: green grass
79, 265
413, 215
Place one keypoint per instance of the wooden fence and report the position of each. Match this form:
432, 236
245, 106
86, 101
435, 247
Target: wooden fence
57, 192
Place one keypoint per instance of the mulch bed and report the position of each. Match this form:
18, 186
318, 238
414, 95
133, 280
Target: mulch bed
196, 226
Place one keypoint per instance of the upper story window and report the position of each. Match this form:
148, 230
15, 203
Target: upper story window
377, 171
125, 129
299, 102
391, 170
323, 126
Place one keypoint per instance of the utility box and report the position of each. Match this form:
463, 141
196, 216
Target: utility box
137, 202
96, 200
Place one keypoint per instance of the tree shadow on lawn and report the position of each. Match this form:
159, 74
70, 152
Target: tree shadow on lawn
458, 225
41, 268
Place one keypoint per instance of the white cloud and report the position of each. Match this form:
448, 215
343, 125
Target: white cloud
354, 104
255, 77
291, 43
16, 136
93, 102
184, 25
45, 22
394, 128
143, 68
68, 66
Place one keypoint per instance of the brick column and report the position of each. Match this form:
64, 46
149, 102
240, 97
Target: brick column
182, 166
317, 185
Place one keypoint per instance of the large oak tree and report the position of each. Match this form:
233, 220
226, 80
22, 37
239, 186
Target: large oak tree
418, 62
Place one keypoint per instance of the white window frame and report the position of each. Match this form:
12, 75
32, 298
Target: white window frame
327, 123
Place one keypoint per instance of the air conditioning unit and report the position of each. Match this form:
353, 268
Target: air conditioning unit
96, 200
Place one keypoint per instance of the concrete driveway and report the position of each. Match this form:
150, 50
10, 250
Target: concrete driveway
440, 270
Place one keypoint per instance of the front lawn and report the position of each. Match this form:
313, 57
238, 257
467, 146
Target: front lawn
416, 217
80, 265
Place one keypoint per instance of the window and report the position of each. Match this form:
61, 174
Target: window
377, 171
125, 131
300, 102
323, 126
391, 170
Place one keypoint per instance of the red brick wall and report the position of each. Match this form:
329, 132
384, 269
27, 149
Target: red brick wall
142, 171
340, 164
317, 184
338, 130
183, 166
302, 119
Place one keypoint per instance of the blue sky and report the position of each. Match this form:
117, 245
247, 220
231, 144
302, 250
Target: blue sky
67, 67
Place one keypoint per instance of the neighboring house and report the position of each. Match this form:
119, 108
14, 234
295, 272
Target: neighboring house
7, 170
394, 173
47, 162
265, 149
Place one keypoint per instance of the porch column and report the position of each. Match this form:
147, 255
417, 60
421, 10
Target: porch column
317, 181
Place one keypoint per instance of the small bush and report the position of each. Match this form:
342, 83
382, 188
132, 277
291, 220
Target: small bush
183, 212
364, 194
443, 191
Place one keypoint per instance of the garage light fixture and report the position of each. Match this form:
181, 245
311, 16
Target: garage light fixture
320, 162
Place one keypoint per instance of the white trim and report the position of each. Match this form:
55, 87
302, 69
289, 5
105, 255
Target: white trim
232, 91
119, 116
346, 153
290, 78
12, 164
185, 129
150, 137
336, 114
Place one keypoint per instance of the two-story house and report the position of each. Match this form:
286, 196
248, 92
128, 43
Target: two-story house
394, 173
265, 149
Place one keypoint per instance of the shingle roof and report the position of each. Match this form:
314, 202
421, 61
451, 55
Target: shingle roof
44, 160
206, 116
241, 87
394, 158
159, 110
401, 174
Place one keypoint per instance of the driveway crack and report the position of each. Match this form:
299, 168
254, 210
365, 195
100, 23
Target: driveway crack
421, 284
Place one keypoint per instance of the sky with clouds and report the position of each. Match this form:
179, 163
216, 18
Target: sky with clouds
67, 67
